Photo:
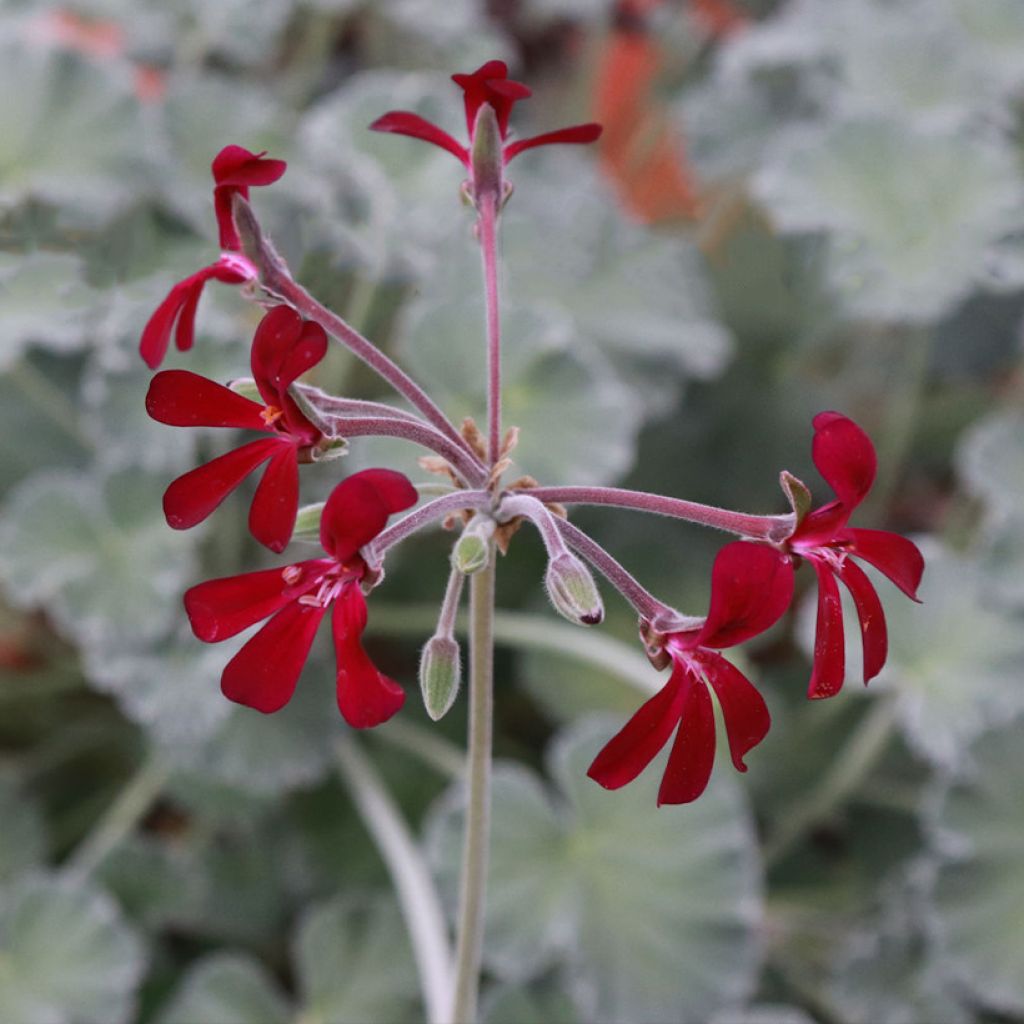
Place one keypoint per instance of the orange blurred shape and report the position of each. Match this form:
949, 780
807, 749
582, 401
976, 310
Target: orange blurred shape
73, 32
150, 83
718, 17
640, 151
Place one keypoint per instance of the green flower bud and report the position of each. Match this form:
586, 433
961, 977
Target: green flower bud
487, 156
307, 523
472, 550
572, 590
440, 675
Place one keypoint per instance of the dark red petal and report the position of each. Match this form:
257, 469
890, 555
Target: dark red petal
402, 122
893, 555
366, 697
276, 335
192, 497
185, 331
751, 587
156, 335
476, 92
228, 236
577, 134
821, 526
263, 674
218, 609
308, 350
829, 650
180, 398
358, 509
276, 501
874, 635
693, 752
235, 165
746, 715
845, 457
633, 748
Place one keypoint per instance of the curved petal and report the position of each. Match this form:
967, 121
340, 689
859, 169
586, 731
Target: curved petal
745, 713
358, 509
693, 752
577, 134
307, 351
845, 457
896, 557
276, 335
873, 632
235, 165
633, 748
218, 609
276, 501
751, 587
829, 650
156, 335
192, 497
402, 122
263, 674
366, 697
181, 398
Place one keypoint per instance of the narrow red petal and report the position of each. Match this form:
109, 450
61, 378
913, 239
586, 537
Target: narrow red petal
156, 335
829, 650
874, 634
263, 674
693, 752
358, 509
276, 501
308, 350
633, 748
896, 557
228, 236
751, 587
366, 697
577, 134
192, 497
180, 398
277, 334
402, 122
218, 609
746, 715
845, 457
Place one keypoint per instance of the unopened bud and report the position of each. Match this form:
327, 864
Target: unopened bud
307, 523
440, 675
572, 590
487, 158
246, 387
472, 550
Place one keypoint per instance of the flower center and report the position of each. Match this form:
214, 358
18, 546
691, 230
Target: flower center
271, 414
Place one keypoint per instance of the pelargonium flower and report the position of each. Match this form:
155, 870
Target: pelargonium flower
751, 587
489, 84
235, 170
263, 674
285, 346
845, 457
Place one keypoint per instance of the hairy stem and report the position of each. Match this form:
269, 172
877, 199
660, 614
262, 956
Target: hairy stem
439, 508
770, 528
276, 278
473, 887
487, 226
414, 886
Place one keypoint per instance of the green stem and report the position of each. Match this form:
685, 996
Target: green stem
414, 887
847, 771
121, 818
473, 888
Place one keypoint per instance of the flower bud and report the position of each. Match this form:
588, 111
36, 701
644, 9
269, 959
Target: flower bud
487, 157
440, 675
572, 590
472, 550
307, 523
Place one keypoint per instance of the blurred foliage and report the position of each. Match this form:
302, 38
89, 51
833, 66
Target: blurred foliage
839, 225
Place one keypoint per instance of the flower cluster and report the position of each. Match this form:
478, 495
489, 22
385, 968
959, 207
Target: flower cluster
752, 580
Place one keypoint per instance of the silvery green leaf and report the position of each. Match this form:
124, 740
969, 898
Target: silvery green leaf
229, 29
508, 1004
23, 839
652, 915
354, 963
98, 554
66, 955
979, 892
226, 988
910, 214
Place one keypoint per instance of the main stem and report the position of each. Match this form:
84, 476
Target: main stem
473, 888
488, 228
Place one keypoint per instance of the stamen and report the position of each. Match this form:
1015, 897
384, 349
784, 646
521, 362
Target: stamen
291, 574
271, 414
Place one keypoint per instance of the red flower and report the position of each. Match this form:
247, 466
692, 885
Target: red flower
263, 674
285, 347
234, 170
845, 457
751, 586
489, 84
